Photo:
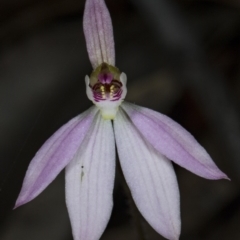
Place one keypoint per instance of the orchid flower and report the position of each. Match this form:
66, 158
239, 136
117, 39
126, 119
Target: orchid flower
147, 142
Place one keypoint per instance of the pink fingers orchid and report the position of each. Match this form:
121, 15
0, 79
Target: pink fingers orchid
147, 142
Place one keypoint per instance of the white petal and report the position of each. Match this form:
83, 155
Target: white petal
173, 141
54, 155
97, 25
89, 182
150, 177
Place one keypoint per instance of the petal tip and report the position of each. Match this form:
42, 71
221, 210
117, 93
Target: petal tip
225, 177
172, 235
218, 175
20, 201
17, 204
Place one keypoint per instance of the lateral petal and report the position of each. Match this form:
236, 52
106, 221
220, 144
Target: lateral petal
54, 155
173, 141
97, 25
150, 177
89, 182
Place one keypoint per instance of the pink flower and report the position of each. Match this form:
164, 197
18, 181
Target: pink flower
147, 142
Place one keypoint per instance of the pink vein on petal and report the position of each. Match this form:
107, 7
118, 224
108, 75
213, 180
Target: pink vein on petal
98, 32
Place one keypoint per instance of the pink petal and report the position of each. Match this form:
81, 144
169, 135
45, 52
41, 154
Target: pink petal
150, 177
54, 155
173, 141
89, 182
97, 25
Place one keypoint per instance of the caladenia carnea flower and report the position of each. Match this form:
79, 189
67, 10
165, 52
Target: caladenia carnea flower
147, 142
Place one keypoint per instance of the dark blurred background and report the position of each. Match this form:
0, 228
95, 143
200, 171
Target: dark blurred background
182, 58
